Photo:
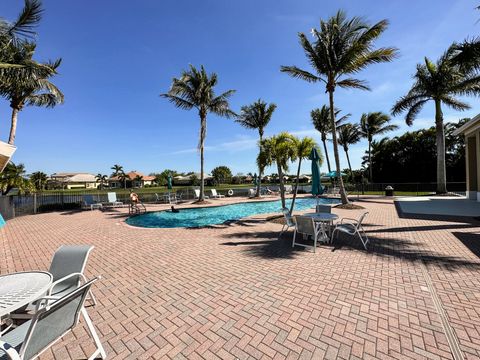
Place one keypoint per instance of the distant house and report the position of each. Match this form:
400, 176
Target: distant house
133, 179
188, 179
72, 181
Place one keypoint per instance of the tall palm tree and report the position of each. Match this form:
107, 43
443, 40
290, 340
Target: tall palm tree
195, 89
21, 29
348, 134
256, 116
23, 87
38, 179
321, 122
279, 150
342, 48
102, 179
439, 82
303, 149
371, 124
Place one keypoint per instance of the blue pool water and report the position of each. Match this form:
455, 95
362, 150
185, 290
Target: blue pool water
205, 216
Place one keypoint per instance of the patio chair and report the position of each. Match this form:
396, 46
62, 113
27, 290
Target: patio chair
215, 195
158, 198
197, 194
288, 221
251, 193
353, 227
306, 226
89, 203
49, 324
67, 268
323, 209
112, 199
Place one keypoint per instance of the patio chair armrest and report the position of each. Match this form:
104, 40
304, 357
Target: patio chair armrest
350, 221
9, 350
63, 279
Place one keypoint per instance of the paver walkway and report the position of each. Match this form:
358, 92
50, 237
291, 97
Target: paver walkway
235, 291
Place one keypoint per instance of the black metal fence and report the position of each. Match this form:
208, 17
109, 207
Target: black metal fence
18, 205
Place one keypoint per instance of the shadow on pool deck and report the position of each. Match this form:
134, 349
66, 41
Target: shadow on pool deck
271, 247
470, 240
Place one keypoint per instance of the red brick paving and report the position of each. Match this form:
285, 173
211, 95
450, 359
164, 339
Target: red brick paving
236, 292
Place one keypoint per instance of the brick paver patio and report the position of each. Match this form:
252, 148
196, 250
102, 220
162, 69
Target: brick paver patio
235, 291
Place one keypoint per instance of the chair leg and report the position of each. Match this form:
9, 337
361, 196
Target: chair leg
94, 301
91, 329
281, 232
294, 235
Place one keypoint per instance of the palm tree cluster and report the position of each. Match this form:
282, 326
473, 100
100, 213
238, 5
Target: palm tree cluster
24, 81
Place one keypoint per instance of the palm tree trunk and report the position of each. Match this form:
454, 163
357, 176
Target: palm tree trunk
343, 195
259, 179
280, 182
349, 165
296, 184
441, 167
326, 153
203, 129
370, 167
13, 126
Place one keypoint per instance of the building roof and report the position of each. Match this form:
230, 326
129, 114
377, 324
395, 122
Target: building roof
469, 126
74, 177
132, 175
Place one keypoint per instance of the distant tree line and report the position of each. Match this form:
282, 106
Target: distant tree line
411, 157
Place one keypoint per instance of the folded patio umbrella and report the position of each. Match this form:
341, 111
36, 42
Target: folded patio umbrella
169, 182
333, 174
317, 188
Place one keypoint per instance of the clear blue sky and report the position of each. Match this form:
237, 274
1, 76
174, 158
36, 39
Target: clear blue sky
118, 56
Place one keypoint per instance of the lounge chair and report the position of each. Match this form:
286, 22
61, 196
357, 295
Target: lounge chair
251, 193
353, 227
112, 200
89, 203
289, 222
288, 189
197, 194
50, 323
215, 195
306, 226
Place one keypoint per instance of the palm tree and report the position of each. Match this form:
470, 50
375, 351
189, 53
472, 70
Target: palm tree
342, 47
13, 176
123, 178
440, 83
38, 179
303, 149
321, 122
195, 89
117, 169
348, 134
372, 124
102, 179
279, 150
16, 32
256, 116
22, 87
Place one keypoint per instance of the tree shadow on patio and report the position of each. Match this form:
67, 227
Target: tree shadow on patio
269, 247
403, 249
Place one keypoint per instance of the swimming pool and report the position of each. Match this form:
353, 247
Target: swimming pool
214, 215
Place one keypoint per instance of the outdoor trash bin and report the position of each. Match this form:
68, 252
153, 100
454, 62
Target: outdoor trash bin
389, 191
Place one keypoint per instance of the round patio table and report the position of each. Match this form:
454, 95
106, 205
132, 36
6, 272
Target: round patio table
324, 218
20, 289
